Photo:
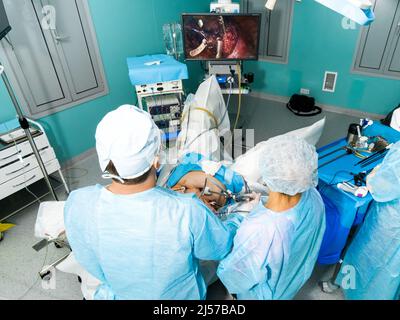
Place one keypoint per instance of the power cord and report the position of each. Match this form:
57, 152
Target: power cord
33, 194
331, 183
37, 279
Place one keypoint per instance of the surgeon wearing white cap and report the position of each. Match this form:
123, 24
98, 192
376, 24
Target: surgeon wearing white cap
276, 248
139, 240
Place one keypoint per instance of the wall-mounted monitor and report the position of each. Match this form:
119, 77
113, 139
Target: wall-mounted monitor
221, 36
4, 24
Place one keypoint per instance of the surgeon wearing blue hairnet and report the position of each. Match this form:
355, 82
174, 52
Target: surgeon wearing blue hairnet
371, 268
277, 245
141, 241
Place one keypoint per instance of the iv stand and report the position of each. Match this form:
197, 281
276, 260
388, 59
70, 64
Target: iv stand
25, 126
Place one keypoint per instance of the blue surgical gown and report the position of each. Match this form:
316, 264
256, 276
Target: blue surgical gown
146, 245
274, 254
374, 254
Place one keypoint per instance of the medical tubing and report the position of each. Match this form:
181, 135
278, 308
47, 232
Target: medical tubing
330, 184
240, 97
37, 279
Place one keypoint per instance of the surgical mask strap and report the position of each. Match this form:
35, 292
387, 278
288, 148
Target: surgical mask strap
107, 175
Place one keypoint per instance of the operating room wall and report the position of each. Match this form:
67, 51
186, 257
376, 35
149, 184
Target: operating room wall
124, 28
320, 43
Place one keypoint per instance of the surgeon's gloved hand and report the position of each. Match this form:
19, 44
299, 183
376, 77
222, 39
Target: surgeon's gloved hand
255, 199
247, 207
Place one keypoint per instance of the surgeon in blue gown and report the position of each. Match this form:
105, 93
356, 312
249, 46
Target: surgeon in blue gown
277, 245
374, 254
139, 240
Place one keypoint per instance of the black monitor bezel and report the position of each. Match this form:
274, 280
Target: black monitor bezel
225, 15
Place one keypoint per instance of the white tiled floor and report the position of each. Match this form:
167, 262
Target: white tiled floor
20, 264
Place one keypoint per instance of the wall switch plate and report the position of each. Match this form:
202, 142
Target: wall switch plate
305, 91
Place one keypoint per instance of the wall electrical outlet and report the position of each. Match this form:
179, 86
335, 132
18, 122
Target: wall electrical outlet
305, 91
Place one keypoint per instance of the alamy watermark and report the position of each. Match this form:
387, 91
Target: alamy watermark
349, 277
348, 24
49, 18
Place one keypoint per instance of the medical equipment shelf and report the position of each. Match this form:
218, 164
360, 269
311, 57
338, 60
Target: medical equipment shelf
158, 84
19, 168
159, 89
236, 91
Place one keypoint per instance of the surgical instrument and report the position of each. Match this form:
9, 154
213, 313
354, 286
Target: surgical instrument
348, 152
360, 178
228, 195
332, 152
377, 159
375, 155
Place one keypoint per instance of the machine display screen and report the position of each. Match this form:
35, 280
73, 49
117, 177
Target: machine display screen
221, 37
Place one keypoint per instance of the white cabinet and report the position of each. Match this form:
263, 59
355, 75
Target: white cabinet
56, 67
19, 167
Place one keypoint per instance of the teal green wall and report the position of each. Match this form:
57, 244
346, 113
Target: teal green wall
124, 28
319, 44
134, 27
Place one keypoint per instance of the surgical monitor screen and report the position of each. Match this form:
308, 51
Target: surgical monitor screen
221, 37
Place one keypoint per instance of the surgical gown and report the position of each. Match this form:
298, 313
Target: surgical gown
274, 254
146, 245
375, 251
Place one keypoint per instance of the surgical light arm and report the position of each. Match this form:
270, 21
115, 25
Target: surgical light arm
360, 11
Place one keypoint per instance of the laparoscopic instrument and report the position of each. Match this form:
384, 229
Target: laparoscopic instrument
226, 194
375, 160
348, 150
375, 156
354, 136
332, 152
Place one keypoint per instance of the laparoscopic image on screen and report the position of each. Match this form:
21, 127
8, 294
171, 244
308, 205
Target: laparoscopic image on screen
221, 37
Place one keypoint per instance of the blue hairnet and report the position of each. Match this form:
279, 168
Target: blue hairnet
290, 166
384, 184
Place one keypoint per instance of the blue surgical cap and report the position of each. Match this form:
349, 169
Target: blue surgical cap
289, 165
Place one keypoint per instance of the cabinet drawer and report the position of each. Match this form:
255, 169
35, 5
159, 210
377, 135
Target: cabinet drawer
12, 153
17, 168
25, 180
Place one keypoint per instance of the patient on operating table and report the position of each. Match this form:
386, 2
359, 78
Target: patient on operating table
213, 183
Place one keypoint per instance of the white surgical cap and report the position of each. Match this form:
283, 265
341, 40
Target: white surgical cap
130, 139
289, 165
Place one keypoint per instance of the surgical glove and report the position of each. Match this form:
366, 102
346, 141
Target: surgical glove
247, 207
